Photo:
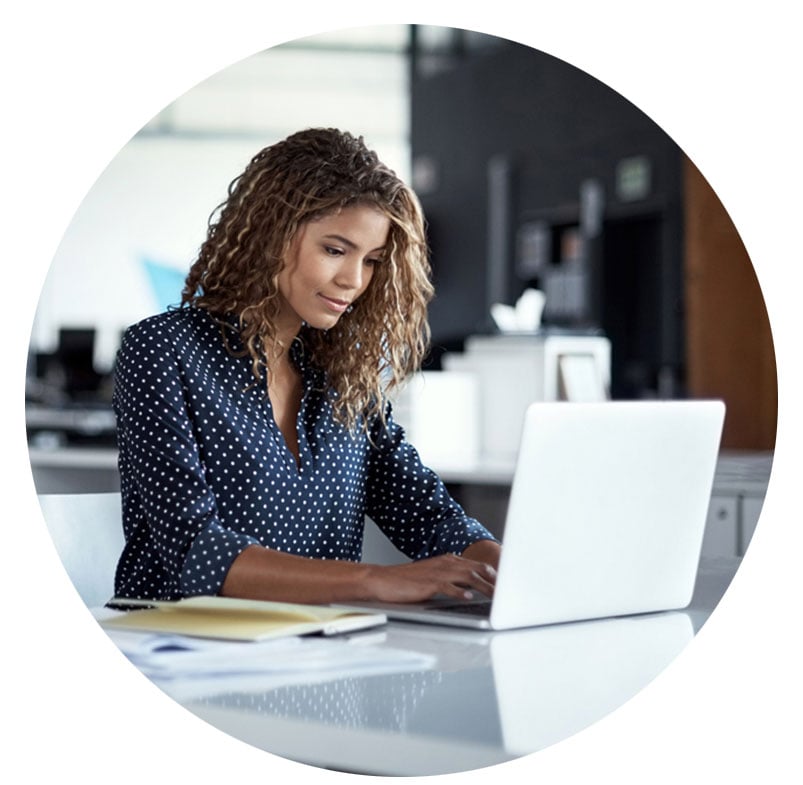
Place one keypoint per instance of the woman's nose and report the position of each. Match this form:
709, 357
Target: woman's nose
350, 275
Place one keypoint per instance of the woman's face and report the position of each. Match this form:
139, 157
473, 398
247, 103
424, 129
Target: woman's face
330, 264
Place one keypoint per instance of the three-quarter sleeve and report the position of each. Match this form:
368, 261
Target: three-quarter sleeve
410, 503
175, 542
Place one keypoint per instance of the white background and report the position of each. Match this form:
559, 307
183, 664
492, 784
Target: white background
80, 78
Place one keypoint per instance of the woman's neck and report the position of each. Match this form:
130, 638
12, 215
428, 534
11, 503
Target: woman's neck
277, 351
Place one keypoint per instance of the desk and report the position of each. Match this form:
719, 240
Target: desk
489, 698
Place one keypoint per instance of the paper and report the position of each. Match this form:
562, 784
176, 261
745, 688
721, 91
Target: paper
524, 317
187, 667
174, 656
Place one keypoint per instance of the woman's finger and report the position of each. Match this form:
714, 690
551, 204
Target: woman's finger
473, 575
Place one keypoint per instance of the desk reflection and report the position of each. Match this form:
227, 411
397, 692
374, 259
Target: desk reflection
513, 692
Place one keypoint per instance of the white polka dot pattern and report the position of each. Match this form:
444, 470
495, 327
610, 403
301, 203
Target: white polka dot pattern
205, 471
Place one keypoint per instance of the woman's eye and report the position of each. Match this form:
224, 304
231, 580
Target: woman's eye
332, 251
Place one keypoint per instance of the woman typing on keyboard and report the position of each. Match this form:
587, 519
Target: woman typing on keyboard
253, 425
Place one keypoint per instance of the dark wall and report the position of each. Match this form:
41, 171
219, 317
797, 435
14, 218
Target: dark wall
552, 127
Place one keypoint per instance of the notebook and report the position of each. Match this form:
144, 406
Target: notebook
229, 618
606, 515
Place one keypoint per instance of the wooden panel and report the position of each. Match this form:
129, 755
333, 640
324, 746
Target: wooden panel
730, 353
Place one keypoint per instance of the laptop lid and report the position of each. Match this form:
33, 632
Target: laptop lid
606, 515
607, 510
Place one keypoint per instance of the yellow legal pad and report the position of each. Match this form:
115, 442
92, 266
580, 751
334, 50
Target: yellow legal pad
233, 619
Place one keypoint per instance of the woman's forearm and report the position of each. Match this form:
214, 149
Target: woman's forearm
263, 574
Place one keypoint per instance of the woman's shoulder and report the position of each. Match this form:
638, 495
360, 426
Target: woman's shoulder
178, 333
171, 324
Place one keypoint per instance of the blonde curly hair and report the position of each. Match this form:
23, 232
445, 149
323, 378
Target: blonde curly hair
377, 344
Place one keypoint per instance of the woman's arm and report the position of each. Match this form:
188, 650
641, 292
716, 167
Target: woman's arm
412, 506
176, 544
262, 573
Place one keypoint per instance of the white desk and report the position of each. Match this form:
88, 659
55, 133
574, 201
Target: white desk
489, 698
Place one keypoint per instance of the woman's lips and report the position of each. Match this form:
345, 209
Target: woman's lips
334, 304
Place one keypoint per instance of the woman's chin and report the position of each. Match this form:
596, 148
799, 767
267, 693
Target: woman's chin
325, 322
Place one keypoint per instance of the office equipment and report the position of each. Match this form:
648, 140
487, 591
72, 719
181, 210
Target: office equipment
83, 425
606, 516
75, 356
439, 411
229, 618
580, 379
513, 371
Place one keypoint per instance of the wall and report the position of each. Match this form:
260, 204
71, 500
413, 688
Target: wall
151, 202
729, 341
154, 198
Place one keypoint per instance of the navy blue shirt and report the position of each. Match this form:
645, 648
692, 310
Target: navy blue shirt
205, 471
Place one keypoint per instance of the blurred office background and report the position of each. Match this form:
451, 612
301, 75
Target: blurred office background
532, 175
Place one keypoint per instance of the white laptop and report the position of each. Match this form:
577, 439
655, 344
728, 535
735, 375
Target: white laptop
606, 515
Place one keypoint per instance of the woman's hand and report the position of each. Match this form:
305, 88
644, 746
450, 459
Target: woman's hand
449, 575
487, 551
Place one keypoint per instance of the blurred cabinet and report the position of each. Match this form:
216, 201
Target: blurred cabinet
722, 527
750, 510
739, 489
730, 525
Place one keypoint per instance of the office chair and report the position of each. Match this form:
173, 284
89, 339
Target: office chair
87, 531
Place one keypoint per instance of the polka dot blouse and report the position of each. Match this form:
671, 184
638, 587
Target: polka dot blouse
205, 471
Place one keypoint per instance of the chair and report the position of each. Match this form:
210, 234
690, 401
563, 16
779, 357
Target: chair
88, 534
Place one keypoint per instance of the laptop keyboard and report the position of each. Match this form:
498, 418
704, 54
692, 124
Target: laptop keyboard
478, 608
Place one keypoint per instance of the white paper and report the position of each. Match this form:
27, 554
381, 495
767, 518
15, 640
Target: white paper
187, 668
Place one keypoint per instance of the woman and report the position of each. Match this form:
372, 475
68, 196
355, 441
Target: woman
253, 427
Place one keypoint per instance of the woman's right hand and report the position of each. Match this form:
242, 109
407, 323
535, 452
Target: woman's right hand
448, 575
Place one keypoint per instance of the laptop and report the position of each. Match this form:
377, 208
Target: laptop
606, 516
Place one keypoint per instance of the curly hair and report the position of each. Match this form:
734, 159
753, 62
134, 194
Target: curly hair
383, 338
